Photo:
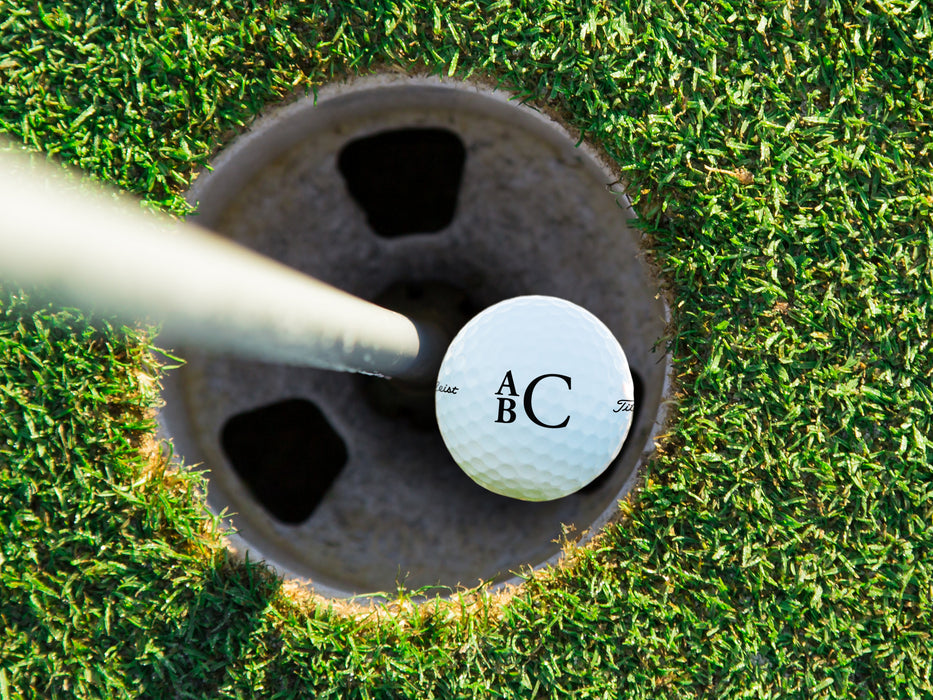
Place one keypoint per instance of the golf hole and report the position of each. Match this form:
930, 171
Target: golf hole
436, 199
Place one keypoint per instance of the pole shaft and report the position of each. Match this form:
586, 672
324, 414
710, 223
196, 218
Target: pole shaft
98, 251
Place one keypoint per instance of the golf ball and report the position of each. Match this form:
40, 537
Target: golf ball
534, 398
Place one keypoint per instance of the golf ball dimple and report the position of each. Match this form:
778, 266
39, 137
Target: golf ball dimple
534, 398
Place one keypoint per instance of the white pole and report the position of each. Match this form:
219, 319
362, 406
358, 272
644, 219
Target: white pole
98, 251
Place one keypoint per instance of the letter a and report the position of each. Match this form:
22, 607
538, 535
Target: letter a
510, 383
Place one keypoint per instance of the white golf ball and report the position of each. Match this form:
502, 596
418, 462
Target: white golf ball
534, 398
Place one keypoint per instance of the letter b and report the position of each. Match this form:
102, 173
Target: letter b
506, 406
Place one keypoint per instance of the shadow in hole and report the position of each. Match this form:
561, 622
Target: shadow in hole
288, 455
406, 180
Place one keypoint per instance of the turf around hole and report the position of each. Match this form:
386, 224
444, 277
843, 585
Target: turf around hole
779, 156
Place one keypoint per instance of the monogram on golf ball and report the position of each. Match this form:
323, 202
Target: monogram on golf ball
508, 405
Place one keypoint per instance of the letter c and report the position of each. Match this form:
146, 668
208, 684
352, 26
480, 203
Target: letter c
528, 394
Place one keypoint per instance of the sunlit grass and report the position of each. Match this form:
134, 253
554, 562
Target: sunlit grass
780, 158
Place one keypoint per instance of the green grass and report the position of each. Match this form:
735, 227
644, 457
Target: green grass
780, 157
